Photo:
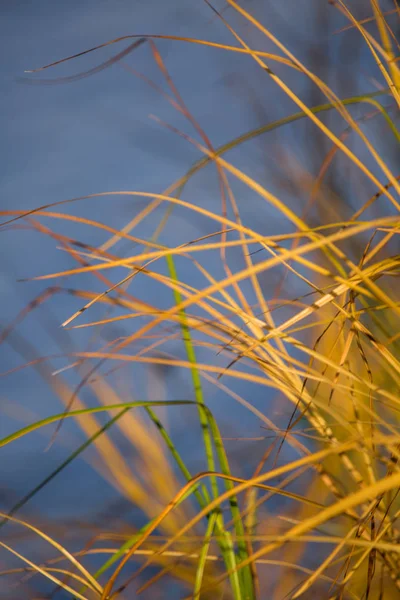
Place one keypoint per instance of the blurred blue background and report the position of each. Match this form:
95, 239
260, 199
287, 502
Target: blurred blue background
64, 140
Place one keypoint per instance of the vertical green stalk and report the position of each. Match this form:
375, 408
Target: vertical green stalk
241, 581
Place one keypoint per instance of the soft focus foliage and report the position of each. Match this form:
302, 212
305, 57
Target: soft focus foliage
238, 387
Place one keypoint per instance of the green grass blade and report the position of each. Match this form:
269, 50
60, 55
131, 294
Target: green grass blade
203, 498
210, 439
198, 391
270, 127
203, 557
88, 411
64, 464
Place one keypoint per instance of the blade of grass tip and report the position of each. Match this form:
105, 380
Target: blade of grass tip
93, 71
64, 464
79, 54
209, 429
172, 38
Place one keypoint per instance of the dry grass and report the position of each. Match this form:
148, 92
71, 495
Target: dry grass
316, 514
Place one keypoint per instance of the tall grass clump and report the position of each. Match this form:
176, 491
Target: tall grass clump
270, 342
